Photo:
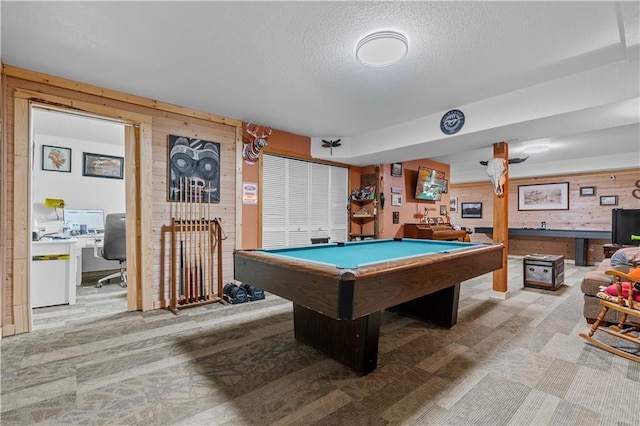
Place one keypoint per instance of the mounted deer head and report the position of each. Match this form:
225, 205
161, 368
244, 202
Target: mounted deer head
251, 150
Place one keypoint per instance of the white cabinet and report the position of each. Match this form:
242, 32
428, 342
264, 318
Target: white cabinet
53, 272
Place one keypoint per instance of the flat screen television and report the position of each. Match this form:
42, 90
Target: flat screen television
429, 184
624, 223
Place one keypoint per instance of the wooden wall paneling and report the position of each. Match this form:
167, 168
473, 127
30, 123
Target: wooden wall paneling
584, 212
500, 215
21, 217
239, 179
172, 124
8, 325
100, 92
133, 255
3, 201
145, 200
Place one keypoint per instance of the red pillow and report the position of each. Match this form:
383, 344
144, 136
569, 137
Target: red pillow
612, 290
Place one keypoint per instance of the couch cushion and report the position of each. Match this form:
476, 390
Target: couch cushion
592, 308
605, 264
593, 280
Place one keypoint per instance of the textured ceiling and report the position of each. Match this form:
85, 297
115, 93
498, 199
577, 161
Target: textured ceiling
291, 65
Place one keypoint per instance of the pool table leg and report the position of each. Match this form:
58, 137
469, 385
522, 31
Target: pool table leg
354, 343
440, 307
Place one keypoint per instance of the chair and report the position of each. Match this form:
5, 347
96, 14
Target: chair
115, 246
628, 328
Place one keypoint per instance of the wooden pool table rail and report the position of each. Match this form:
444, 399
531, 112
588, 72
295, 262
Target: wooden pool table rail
370, 288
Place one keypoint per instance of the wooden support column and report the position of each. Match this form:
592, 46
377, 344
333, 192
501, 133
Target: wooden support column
501, 224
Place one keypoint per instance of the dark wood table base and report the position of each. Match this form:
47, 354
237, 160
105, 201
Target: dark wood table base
354, 343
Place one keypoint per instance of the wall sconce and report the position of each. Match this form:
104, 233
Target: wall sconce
54, 203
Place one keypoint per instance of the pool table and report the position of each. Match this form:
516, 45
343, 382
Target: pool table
338, 290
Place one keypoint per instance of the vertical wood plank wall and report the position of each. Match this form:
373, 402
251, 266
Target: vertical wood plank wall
583, 213
163, 211
167, 119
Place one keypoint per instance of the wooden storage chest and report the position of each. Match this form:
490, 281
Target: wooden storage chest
543, 271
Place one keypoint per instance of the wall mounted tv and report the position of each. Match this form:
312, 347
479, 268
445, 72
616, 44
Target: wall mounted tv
429, 184
624, 223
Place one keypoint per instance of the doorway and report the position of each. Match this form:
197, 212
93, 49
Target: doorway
65, 192
138, 147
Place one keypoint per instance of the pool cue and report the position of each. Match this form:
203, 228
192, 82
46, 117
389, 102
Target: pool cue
191, 245
187, 206
220, 231
200, 223
185, 236
211, 247
180, 215
197, 242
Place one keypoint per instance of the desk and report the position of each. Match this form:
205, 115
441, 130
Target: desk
581, 237
53, 272
87, 241
338, 290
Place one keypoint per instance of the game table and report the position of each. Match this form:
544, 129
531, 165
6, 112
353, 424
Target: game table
338, 290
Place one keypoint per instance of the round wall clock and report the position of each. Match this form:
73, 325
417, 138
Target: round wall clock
452, 122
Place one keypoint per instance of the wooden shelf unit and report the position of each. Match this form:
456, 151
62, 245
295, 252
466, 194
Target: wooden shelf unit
361, 221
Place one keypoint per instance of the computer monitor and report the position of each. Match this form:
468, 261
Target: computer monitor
92, 218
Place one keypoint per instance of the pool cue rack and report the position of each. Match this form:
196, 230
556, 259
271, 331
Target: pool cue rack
196, 250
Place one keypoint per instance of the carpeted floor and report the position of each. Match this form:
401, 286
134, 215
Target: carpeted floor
513, 362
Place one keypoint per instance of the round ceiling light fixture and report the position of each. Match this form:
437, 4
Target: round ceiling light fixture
382, 48
537, 148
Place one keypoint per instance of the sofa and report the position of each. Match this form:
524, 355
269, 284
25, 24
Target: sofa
593, 281
591, 284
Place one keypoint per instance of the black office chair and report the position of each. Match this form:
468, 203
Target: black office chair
115, 246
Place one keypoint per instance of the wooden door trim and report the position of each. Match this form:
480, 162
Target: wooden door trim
138, 198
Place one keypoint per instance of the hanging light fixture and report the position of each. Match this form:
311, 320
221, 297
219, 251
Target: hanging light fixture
382, 48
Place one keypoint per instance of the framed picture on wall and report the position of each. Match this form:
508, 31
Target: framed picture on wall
104, 166
608, 200
453, 204
587, 191
471, 210
396, 169
56, 158
443, 210
396, 199
193, 164
547, 196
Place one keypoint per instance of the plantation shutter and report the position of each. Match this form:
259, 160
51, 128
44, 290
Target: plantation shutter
302, 200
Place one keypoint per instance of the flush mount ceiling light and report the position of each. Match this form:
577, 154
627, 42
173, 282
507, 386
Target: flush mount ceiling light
382, 48
537, 148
